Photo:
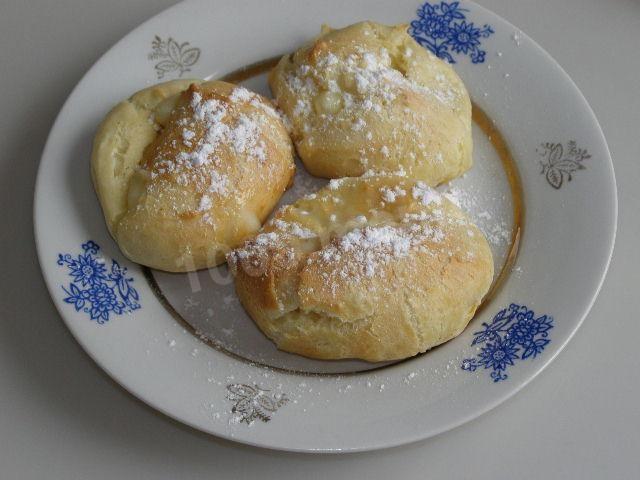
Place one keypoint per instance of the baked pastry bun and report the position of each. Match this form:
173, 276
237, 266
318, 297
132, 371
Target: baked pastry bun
376, 268
368, 97
186, 170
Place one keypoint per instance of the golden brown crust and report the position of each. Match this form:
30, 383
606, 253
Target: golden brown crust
369, 97
187, 170
377, 268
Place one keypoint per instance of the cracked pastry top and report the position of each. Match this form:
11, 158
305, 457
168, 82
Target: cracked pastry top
368, 97
186, 170
379, 267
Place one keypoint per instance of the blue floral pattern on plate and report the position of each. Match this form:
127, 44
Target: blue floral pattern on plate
513, 334
443, 29
96, 290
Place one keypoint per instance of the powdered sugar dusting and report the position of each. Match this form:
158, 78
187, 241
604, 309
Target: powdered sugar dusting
363, 81
370, 247
218, 183
294, 229
241, 94
390, 195
427, 195
205, 203
335, 183
496, 230
210, 129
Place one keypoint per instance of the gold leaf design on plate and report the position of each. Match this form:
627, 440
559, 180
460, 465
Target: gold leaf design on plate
251, 402
560, 163
172, 56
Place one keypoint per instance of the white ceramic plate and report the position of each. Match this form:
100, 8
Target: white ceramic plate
542, 188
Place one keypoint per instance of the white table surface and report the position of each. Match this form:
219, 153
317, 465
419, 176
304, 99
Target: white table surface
62, 418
